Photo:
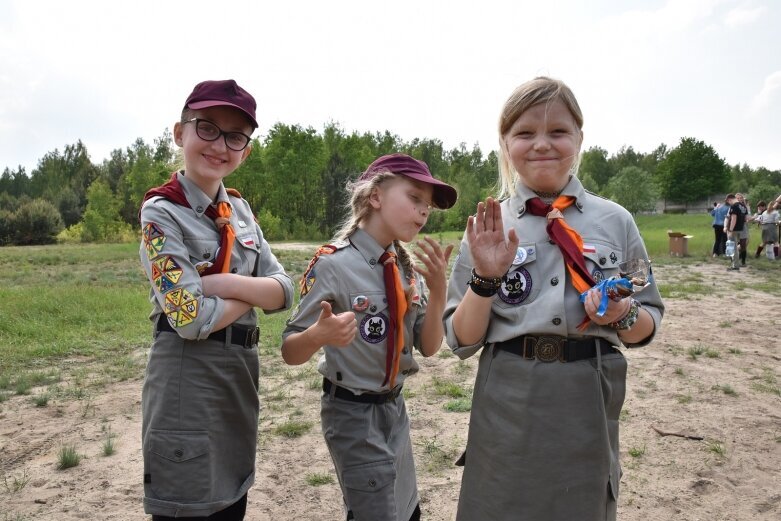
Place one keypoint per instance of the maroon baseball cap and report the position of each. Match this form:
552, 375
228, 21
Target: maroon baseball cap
222, 92
444, 195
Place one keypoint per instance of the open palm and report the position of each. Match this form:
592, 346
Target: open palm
492, 252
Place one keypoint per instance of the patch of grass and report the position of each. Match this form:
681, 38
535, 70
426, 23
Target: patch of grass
23, 386
767, 383
108, 443
623, 415
679, 371
445, 352
449, 389
734, 351
683, 398
316, 479
726, 389
712, 353
436, 458
293, 428
41, 400
717, 448
68, 457
459, 405
16, 483
685, 290
462, 368
637, 452
695, 351
725, 324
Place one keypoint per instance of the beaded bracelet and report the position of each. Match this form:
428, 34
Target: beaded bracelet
484, 287
629, 319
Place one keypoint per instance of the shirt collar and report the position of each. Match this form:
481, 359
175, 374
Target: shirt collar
523, 193
198, 200
368, 247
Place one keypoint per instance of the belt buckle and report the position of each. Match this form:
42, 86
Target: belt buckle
252, 339
549, 349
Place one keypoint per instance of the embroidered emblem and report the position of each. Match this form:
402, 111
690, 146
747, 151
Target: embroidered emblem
165, 273
597, 275
326, 249
413, 296
520, 256
360, 303
181, 307
516, 286
309, 280
374, 328
203, 266
613, 257
154, 240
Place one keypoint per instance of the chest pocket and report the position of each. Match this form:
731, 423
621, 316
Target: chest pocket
371, 313
602, 259
202, 252
519, 288
245, 251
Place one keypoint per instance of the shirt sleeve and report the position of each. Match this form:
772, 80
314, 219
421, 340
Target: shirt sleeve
176, 284
322, 283
269, 266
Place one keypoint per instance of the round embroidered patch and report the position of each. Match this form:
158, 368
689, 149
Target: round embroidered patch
520, 256
597, 275
516, 286
374, 328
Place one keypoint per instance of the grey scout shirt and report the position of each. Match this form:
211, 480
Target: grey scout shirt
344, 278
179, 240
538, 297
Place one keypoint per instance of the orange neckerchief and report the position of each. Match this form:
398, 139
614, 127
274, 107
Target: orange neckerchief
397, 305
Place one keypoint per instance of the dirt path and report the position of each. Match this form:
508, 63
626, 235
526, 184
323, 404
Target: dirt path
727, 394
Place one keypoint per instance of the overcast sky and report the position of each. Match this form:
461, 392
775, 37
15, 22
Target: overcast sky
645, 72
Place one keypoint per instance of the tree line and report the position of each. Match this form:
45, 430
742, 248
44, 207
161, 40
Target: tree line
295, 179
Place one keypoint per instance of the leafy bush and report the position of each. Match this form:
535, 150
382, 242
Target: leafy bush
35, 222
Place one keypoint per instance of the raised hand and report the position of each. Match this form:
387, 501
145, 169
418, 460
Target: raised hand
616, 309
335, 329
434, 264
492, 252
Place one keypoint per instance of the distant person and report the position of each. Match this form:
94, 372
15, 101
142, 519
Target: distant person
543, 431
209, 267
733, 226
366, 283
743, 235
719, 213
768, 220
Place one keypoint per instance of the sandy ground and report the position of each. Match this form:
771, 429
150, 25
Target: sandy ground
731, 474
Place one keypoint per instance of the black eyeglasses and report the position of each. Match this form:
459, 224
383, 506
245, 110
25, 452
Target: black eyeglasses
208, 131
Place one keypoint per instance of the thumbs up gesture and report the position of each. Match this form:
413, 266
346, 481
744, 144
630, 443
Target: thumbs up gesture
335, 329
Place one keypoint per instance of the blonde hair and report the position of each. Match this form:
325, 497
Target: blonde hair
361, 209
539, 90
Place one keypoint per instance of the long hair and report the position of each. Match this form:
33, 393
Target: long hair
539, 90
361, 209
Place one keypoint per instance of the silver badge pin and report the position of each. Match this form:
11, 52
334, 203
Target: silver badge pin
360, 303
242, 224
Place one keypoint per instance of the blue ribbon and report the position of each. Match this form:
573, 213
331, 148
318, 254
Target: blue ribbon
606, 286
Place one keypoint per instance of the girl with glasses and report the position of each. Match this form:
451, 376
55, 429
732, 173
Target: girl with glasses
209, 268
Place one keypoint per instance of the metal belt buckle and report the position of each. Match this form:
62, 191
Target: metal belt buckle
549, 349
252, 338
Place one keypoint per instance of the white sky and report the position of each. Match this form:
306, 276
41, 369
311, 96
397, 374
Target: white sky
645, 72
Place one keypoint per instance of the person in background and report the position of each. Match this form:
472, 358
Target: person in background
543, 430
743, 235
733, 225
209, 267
719, 213
767, 218
365, 282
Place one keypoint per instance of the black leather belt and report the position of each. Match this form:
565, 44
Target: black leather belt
346, 394
246, 337
550, 348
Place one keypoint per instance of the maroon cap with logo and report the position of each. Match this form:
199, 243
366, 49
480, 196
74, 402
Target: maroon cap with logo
222, 92
445, 195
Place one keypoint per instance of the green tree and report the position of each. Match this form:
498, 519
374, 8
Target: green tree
102, 222
594, 166
692, 171
35, 222
634, 189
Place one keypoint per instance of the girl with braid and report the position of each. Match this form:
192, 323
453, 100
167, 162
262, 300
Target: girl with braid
543, 430
367, 305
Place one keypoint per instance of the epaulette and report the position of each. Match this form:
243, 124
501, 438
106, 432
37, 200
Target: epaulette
308, 280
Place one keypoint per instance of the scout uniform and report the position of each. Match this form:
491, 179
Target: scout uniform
364, 421
200, 395
543, 433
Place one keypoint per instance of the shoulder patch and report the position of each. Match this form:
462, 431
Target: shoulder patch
309, 278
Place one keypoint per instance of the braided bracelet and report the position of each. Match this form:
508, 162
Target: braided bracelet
484, 287
629, 319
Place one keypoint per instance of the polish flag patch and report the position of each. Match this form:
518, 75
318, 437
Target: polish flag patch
248, 241
589, 248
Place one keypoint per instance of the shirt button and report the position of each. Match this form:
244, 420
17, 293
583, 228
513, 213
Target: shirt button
372, 261
178, 453
551, 241
372, 483
373, 309
199, 209
602, 261
554, 281
405, 372
405, 351
234, 270
206, 255
556, 321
